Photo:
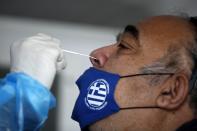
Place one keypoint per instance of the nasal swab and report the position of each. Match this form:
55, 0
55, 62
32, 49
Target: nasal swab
72, 52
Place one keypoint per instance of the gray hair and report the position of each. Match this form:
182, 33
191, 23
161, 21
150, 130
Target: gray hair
174, 60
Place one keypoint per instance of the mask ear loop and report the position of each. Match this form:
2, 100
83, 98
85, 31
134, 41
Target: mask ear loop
139, 107
146, 74
143, 107
192, 84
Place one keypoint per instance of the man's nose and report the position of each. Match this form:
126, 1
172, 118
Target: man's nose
102, 55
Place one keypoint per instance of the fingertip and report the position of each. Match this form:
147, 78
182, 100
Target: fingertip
61, 65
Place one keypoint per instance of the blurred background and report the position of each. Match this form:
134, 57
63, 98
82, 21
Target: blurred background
81, 25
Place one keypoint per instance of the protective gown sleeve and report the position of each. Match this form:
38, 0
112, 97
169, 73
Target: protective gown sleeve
24, 103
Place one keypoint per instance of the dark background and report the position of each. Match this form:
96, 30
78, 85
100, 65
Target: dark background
111, 13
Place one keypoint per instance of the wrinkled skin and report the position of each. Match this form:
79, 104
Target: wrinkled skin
128, 56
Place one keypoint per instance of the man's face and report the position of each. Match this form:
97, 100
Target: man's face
129, 55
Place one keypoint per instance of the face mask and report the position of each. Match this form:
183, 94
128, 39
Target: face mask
96, 99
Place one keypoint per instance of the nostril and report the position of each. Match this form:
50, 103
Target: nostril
97, 61
101, 56
100, 60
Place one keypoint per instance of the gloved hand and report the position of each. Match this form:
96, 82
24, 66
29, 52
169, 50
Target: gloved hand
39, 57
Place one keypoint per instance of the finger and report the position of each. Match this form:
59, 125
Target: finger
61, 61
61, 65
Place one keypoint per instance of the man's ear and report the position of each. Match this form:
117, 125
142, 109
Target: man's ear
174, 92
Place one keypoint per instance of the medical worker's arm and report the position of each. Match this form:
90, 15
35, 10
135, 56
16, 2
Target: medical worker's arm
25, 98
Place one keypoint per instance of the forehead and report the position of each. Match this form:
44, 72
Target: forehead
165, 29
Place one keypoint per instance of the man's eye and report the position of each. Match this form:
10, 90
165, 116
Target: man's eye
122, 46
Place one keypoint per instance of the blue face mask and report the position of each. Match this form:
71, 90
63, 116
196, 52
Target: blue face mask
96, 99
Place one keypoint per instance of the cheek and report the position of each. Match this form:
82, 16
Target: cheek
122, 65
134, 91
127, 64
127, 92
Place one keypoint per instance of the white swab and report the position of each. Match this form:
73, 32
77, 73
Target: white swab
72, 52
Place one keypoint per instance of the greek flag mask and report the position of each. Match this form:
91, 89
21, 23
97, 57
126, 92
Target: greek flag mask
96, 98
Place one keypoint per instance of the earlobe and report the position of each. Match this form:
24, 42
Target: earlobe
174, 93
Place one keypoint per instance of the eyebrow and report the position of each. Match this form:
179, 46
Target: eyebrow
132, 30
